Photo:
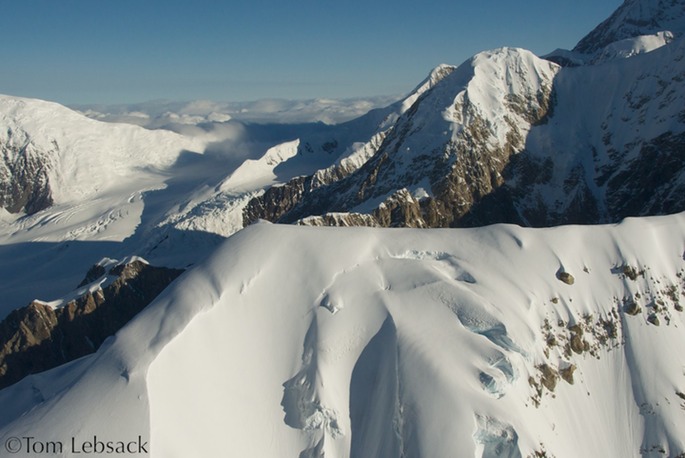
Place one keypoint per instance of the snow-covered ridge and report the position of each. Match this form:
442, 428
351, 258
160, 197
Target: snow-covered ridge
636, 27
475, 116
630, 47
495, 91
508, 83
99, 283
260, 172
436, 75
344, 341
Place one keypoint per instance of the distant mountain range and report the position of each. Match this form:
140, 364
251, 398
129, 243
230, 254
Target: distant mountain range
361, 342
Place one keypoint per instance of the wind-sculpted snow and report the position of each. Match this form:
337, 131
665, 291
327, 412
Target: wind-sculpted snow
363, 342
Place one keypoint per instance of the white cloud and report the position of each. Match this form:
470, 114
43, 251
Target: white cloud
218, 117
164, 114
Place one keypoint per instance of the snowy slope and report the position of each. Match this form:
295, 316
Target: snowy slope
101, 183
630, 47
367, 342
636, 27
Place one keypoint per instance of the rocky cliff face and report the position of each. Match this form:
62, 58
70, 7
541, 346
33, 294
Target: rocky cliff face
39, 337
276, 201
24, 185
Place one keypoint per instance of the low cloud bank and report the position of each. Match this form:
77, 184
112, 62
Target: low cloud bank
166, 114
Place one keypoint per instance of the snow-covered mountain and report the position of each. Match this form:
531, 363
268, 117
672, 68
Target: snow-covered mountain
292, 341
511, 137
287, 341
454, 141
52, 155
504, 137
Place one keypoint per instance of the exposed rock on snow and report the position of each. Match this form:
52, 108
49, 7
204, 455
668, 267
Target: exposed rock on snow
44, 335
24, 183
566, 277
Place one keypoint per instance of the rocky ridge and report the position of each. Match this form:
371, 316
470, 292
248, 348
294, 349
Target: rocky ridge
41, 336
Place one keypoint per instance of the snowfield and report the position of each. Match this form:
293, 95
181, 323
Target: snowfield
295, 341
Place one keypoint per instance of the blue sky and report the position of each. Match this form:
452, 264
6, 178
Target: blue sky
124, 51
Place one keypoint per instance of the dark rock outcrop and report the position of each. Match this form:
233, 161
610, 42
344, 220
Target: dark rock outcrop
38, 337
276, 201
24, 185
649, 184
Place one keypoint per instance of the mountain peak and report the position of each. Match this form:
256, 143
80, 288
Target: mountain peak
636, 18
